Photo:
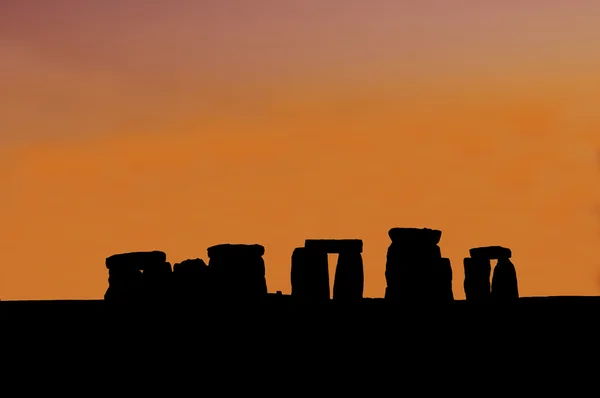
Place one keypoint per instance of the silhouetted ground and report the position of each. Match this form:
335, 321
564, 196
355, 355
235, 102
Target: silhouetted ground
374, 317
280, 348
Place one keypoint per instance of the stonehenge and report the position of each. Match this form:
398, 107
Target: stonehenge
478, 268
415, 269
415, 272
310, 270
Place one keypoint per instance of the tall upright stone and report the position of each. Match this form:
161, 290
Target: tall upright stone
298, 271
477, 279
349, 274
349, 282
191, 281
309, 275
415, 270
441, 281
504, 281
238, 271
157, 282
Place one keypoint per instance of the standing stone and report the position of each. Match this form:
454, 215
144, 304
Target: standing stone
126, 281
299, 274
157, 281
400, 275
191, 281
125, 284
504, 282
349, 279
310, 275
238, 271
412, 264
442, 281
477, 278
313, 259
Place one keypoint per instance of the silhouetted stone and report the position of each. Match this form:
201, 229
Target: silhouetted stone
140, 259
190, 266
477, 278
490, 252
298, 274
441, 288
413, 265
138, 276
125, 284
415, 235
349, 277
408, 273
309, 276
157, 281
335, 245
240, 250
191, 280
504, 282
238, 271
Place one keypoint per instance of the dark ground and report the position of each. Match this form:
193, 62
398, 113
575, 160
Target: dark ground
233, 347
371, 318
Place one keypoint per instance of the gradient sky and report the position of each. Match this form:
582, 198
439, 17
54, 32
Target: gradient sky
176, 125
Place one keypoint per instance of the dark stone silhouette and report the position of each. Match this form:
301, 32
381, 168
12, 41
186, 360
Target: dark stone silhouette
124, 284
238, 271
490, 252
298, 274
415, 272
310, 271
127, 281
309, 276
335, 246
414, 267
349, 281
191, 281
442, 281
504, 282
477, 278
415, 235
156, 281
141, 259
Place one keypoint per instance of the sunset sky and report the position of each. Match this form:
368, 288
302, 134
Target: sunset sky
132, 125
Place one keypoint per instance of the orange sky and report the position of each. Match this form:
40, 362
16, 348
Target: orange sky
298, 125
